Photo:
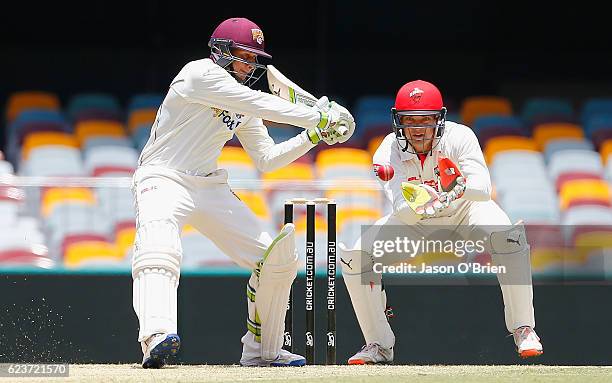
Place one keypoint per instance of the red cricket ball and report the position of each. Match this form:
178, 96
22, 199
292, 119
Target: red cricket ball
384, 172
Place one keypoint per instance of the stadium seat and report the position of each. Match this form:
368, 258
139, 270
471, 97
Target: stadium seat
486, 122
606, 150
343, 156
35, 256
587, 215
545, 132
96, 115
88, 254
125, 235
559, 144
145, 101
489, 133
477, 106
199, 252
584, 191
16, 130
90, 101
538, 107
506, 143
74, 218
38, 127
20, 101
56, 196
71, 239
110, 156
10, 202
595, 106
238, 163
107, 141
89, 129
46, 139
574, 161
534, 213
578, 175
141, 136
597, 123
256, 202
53, 161
140, 117
116, 203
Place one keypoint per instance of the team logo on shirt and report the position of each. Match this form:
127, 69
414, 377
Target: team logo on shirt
226, 118
257, 36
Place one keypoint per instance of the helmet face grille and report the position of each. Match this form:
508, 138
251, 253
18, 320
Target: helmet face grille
409, 144
221, 53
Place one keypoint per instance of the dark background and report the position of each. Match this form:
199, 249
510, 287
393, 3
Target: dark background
89, 319
343, 48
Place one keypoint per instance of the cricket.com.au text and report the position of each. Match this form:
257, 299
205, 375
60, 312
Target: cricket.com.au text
409, 248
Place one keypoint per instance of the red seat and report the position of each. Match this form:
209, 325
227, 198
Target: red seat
101, 170
26, 257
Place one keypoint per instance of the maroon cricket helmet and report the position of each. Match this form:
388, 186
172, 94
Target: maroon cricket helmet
243, 34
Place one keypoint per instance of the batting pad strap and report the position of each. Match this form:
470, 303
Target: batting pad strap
255, 329
250, 292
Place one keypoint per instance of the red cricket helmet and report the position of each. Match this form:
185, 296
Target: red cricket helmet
242, 33
418, 98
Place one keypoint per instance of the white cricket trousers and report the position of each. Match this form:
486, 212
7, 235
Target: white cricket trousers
173, 199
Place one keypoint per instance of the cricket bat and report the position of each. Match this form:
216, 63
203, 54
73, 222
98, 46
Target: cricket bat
286, 89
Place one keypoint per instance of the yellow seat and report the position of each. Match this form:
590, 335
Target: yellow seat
606, 150
234, 155
294, 171
361, 214
256, 202
141, 117
543, 258
124, 240
343, 156
579, 189
37, 139
21, 101
477, 106
545, 132
57, 195
93, 128
81, 252
374, 143
503, 143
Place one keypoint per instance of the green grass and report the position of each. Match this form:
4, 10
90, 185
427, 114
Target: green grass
344, 374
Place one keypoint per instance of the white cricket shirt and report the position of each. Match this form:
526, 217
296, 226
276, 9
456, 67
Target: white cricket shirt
459, 144
204, 108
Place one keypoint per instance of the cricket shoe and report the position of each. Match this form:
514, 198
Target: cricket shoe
284, 359
527, 342
372, 353
157, 348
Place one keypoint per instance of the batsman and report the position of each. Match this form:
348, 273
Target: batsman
178, 182
434, 174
